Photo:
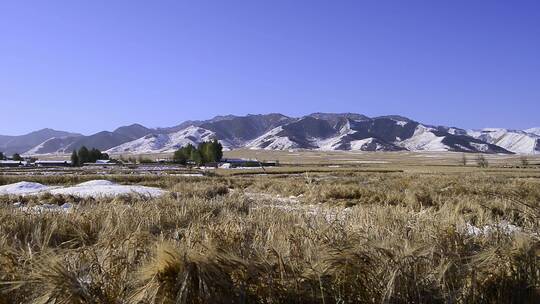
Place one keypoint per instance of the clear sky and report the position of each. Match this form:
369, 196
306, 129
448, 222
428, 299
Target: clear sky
88, 66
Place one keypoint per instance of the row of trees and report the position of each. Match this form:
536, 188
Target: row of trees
206, 152
15, 156
87, 156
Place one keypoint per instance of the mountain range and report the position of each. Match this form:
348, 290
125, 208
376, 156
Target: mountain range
317, 131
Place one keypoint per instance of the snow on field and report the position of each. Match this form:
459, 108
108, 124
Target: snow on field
23, 188
503, 227
99, 188
96, 188
66, 207
293, 204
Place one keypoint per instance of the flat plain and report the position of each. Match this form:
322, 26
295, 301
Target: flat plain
323, 227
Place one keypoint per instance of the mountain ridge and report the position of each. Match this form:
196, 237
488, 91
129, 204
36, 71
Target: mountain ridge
321, 131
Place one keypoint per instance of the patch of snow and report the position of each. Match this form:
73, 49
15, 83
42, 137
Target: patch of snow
401, 123
97, 188
23, 188
362, 143
98, 182
480, 147
102, 188
35, 150
330, 144
37, 209
503, 227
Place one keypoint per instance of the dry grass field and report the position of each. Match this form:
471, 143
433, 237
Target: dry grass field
322, 228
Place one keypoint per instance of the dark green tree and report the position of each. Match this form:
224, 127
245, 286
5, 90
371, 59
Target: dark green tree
196, 157
75, 159
218, 150
179, 157
84, 155
95, 154
2, 157
17, 157
211, 151
183, 154
206, 152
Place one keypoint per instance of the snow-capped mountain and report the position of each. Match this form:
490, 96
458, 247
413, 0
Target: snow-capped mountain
385, 133
55, 145
153, 143
535, 131
321, 131
521, 142
20, 144
102, 140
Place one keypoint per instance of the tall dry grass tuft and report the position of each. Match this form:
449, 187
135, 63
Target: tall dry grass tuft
185, 275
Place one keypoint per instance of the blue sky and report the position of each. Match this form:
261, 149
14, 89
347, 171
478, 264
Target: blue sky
88, 66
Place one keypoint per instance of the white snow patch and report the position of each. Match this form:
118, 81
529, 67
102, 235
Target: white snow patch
480, 147
37, 209
23, 188
96, 188
504, 227
99, 182
362, 143
102, 188
401, 123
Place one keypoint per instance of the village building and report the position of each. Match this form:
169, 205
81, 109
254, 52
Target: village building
53, 163
13, 163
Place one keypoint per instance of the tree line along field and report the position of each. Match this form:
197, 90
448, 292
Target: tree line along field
370, 233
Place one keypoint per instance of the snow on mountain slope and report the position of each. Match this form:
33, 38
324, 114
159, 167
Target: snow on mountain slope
272, 141
55, 145
320, 131
311, 134
535, 131
512, 140
153, 143
424, 139
371, 144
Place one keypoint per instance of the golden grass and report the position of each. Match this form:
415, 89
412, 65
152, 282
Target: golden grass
343, 237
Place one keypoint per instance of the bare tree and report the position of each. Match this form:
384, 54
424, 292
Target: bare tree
481, 161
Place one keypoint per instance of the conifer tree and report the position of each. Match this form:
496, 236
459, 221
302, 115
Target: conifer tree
196, 157
74, 159
84, 155
17, 157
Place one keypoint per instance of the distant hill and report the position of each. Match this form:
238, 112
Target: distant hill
102, 140
317, 131
23, 143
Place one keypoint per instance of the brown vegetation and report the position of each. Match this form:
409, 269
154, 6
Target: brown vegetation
338, 238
